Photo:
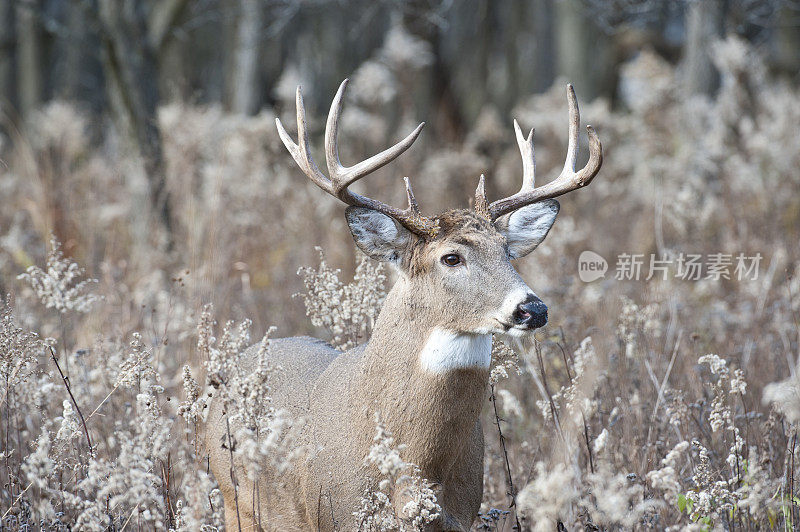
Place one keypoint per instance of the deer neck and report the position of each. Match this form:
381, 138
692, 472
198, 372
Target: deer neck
427, 381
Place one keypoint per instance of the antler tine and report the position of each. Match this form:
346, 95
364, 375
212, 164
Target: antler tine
567, 181
300, 152
528, 158
574, 124
335, 167
481, 205
343, 176
595, 161
413, 206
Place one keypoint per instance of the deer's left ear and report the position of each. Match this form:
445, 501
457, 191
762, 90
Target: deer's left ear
525, 228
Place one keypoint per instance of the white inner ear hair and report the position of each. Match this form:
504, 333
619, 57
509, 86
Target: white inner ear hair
447, 350
375, 230
531, 222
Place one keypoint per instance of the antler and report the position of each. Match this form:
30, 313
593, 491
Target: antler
342, 176
567, 181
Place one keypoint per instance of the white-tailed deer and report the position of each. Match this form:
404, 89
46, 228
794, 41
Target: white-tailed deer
426, 367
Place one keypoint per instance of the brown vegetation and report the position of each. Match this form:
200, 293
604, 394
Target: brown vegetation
620, 417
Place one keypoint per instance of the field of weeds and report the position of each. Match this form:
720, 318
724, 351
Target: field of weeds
652, 400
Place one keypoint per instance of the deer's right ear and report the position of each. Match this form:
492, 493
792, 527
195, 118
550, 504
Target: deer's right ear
378, 235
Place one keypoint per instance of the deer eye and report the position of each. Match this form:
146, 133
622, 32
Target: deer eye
451, 259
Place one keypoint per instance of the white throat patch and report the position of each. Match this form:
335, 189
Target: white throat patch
447, 350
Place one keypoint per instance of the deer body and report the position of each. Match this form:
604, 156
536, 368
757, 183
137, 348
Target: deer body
424, 370
434, 414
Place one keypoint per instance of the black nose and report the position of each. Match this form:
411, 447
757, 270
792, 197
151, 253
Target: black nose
532, 313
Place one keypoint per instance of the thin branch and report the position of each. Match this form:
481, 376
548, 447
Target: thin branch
128, 520
21, 493
660, 395
509, 479
72, 398
233, 474
102, 402
553, 410
586, 438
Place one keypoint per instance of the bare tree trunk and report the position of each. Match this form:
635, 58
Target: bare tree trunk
7, 53
573, 46
132, 83
29, 67
168, 48
162, 18
174, 84
704, 24
583, 51
441, 99
544, 63
228, 12
246, 86
514, 23
74, 44
787, 44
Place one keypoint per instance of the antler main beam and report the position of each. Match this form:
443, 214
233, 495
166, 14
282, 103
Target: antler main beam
567, 181
341, 177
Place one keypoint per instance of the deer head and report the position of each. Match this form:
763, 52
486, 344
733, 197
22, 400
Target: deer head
456, 266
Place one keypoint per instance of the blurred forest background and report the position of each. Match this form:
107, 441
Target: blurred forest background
141, 135
243, 53
122, 59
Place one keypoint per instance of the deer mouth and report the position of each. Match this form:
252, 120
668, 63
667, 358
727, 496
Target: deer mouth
522, 316
505, 326
518, 330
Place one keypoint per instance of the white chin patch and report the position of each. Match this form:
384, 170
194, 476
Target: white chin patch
518, 333
447, 350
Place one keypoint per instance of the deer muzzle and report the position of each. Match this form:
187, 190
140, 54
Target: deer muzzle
531, 313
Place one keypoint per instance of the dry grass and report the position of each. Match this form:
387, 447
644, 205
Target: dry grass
614, 420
